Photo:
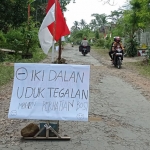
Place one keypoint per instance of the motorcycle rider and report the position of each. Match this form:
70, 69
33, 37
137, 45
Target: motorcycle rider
111, 51
117, 44
84, 42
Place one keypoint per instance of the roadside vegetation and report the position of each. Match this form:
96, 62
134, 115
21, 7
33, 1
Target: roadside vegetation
7, 67
141, 67
130, 22
20, 32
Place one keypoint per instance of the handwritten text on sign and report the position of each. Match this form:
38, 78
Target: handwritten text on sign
50, 92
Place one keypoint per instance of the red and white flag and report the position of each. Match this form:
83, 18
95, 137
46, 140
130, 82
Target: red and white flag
53, 26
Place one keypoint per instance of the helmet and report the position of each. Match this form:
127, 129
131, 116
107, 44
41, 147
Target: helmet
118, 39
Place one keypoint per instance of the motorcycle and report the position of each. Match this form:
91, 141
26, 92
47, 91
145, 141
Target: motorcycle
118, 57
84, 49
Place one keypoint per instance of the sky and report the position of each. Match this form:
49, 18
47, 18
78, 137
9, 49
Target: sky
83, 9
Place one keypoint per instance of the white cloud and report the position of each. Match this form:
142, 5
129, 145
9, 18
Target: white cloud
83, 9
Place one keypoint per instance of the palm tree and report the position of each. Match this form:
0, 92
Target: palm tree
93, 25
115, 16
76, 25
83, 23
101, 21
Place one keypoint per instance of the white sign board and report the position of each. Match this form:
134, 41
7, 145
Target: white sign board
50, 92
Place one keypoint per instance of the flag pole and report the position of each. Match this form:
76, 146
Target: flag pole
53, 51
59, 51
54, 32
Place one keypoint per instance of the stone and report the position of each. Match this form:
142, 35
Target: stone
30, 130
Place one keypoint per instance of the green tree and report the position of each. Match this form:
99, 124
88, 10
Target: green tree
101, 22
93, 25
13, 13
83, 23
75, 26
131, 21
97, 35
115, 16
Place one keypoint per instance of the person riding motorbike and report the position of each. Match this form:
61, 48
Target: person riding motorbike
84, 42
111, 51
117, 44
84, 48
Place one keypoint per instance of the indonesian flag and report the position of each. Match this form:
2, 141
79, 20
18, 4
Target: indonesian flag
53, 26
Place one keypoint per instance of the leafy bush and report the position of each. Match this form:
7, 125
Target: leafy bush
2, 56
24, 38
108, 42
14, 40
12, 37
30, 37
131, 47
97, 35
100, 42
2, 39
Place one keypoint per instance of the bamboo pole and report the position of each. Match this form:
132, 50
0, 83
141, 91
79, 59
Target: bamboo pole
59, 52
54, 32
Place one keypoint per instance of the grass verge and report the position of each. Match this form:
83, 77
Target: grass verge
7, 71
6, 74
140, 67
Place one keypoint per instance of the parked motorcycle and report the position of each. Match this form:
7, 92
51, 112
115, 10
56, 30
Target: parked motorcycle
84, 49
118, 57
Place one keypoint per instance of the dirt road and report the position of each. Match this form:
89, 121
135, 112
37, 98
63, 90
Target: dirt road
119, 113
